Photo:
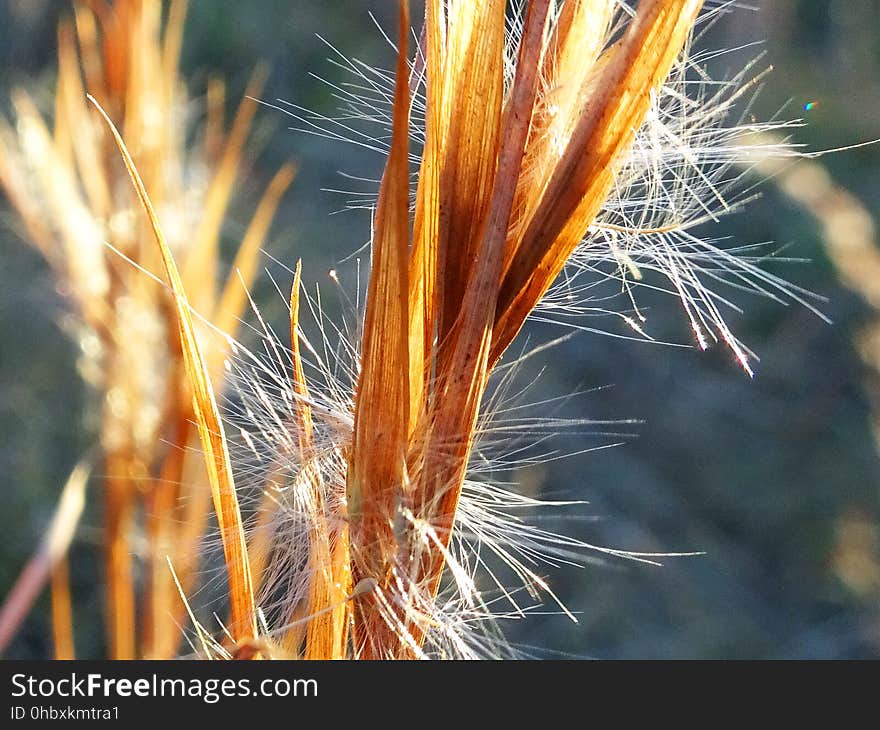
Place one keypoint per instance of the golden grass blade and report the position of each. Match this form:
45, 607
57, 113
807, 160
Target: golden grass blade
234, 296
569, 67
243, 610
300, 388
172, 43
340, 603
54, 546
376, 471
327, 610
62, 612
90, 51
260, 545
87, 147
115, 23
462, 387
473, 95
424, 293
584, 175
201, 264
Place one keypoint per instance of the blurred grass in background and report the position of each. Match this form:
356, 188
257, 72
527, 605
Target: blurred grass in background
776, 479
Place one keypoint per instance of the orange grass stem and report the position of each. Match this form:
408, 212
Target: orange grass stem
377, 465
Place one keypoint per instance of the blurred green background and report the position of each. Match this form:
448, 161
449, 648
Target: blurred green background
775, 479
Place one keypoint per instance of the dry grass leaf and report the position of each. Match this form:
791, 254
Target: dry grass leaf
471, 92
201, 264
424, 288
462, 385
243, 625
326, 623
377, 465
233, 298
568, 67
584, 175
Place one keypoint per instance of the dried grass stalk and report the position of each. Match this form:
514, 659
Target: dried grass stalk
471, 276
